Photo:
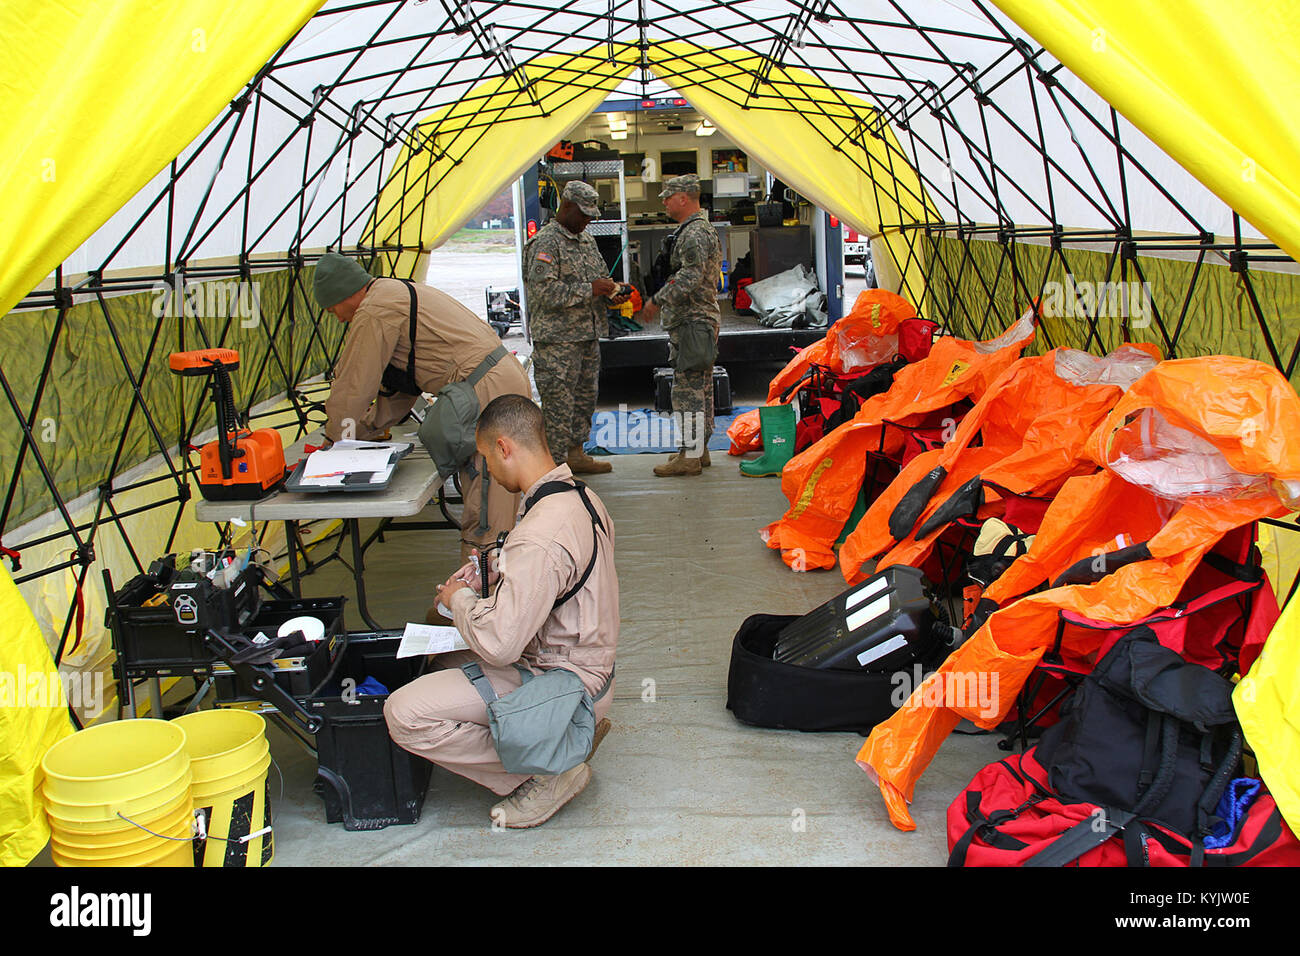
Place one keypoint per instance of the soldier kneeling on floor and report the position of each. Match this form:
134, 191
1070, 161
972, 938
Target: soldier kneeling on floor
547, 633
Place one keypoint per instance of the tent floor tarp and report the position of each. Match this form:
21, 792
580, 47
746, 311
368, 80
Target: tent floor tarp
679, 780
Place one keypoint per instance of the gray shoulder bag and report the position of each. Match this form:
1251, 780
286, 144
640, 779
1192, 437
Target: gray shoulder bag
448, 427
547, 725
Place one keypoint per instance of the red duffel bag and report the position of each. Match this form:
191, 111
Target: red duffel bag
1008, 814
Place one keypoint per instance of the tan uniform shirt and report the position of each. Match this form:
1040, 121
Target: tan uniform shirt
543, 558
451, 341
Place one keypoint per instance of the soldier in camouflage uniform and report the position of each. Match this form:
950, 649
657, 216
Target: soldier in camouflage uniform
689, 302
566, 288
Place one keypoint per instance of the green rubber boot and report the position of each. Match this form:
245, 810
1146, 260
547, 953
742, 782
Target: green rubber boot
776, 423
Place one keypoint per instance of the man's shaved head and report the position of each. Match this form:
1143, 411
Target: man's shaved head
515, 417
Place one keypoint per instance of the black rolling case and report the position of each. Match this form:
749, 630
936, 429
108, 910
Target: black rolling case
721, 390
768, 693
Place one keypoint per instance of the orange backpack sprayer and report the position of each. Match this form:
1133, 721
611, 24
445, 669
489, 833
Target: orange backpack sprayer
240, 464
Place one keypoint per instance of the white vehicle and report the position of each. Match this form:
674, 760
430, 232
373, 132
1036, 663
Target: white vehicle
855, 248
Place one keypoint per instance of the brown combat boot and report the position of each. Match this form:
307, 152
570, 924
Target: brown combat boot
602, 728
580, 463
679, 464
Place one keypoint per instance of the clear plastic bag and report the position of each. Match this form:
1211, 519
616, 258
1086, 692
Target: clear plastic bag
1023, 327
1122, 367
1176, 463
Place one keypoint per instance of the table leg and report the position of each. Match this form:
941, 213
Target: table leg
358, 572
155, 698
291, 539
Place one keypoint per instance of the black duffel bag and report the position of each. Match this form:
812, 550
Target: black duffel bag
767, 693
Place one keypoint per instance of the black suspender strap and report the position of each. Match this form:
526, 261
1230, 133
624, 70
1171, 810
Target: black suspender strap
410, 362
555, 487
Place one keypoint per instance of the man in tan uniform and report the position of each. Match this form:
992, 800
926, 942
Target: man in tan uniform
535, 619
377, 380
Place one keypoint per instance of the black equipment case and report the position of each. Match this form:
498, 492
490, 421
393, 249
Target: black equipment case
721, 390
885, 621
366, 781
846, 665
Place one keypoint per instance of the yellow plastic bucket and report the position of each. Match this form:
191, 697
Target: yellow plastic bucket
150, 818
127, 768
166, 853
177, 823
115, 763
230, 758
137, 808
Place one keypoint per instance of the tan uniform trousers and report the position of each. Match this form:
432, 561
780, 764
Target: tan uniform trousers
442, 718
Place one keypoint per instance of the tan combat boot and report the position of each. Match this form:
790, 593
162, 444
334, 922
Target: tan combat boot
538, 798
679, 464
704, 459
580, 463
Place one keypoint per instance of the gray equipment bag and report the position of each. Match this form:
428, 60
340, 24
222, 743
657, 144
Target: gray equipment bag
448, 428
546, 726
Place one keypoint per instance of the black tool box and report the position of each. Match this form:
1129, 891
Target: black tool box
721, 390
299, 675
366, 781
166, 639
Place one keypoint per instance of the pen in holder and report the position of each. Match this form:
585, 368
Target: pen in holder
484, 562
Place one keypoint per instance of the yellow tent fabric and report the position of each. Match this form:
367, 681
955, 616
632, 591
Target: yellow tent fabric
1267, 701
433, 189
1215, 87
465, 153
98, 98
33, 717
818, 141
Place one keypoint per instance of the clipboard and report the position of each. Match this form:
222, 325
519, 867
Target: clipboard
351, 483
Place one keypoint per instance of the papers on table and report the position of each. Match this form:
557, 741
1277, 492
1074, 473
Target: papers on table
421, 639
353, 462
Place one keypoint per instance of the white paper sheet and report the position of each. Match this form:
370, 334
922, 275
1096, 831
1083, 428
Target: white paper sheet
421, 639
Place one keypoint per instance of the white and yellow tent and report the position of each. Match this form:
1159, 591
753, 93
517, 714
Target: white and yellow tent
985, 148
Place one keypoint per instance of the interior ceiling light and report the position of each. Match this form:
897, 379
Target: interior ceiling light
618, 134
618, 126
705, 129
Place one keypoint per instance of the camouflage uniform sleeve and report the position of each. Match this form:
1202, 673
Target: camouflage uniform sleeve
694, 250
543, 284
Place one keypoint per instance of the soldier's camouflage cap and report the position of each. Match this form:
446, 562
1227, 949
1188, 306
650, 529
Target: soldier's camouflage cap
586, 197
690, 183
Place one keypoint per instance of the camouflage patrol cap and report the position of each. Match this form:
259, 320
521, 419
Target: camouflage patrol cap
690, 183
585, 196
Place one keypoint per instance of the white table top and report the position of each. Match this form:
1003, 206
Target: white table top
415, 482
